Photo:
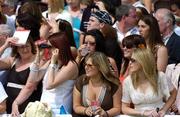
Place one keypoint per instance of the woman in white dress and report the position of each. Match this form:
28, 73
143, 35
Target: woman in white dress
146, 88
58, 74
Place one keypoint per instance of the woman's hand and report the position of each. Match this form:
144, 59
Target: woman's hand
88, 111
10, 41
161, 113
83, 50
101, 112
55, 56
15, 111
150, 113
101, 6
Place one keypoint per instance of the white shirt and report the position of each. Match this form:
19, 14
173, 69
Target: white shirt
166, 38
177, 30
121, 36
11, 21
147, 100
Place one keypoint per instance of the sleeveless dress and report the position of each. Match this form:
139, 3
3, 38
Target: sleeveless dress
149, 100
15, 82
59, 96
105, 96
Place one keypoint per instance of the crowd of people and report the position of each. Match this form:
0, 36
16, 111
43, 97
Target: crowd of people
90, 57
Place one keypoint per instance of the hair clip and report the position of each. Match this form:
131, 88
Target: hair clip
141, 46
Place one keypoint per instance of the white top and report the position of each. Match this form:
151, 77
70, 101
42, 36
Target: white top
61, 95
65, 15
146, 101
172, 76
121, 35
177, 30
3, 94
11, 21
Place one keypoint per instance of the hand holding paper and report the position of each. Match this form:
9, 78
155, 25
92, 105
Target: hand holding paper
22, 36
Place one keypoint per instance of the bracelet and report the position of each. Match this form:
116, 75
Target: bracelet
34, 68
53, 66
142, 113
85, 111
107, 115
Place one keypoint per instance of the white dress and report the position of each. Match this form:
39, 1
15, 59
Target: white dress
146, 101
56, 97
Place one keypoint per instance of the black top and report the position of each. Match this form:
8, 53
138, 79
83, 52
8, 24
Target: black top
20, 78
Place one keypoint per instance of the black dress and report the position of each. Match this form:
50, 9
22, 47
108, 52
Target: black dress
14, 82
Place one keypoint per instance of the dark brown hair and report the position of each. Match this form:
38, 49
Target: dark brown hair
60, 41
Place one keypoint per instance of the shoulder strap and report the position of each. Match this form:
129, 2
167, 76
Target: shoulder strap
179, 81
102, 94
84, 93
14, 62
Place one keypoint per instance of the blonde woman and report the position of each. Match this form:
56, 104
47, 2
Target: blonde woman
98, 91
145, 87
56, 11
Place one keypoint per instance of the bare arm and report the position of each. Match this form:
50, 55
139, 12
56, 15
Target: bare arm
114, 66
3, 107
70, 71
162, 58
169, 102
148, 5
116, 109
77, 107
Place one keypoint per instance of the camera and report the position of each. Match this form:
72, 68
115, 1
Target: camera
44, 45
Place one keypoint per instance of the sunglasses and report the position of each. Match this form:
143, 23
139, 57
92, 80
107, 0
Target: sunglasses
132, 60
90, 43
88, 65
128, 46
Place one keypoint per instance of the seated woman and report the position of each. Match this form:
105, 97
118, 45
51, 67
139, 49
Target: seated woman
94, 42
145, 87
98, 92
3, 97
58, 74
18, 65
129, 43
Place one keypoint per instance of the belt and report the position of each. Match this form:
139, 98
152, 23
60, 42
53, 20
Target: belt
15, 85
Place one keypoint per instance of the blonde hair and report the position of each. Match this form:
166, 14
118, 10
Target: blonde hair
56, 6
146, 59
101, 61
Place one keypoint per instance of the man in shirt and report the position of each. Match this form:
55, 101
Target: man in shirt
166, 23
126, 21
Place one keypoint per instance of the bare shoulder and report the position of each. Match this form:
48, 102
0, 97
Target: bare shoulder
161, 49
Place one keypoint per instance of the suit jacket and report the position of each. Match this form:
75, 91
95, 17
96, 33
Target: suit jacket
173, 46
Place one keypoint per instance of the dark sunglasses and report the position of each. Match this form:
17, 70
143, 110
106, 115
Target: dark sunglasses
128, 46
90, 43
132, 60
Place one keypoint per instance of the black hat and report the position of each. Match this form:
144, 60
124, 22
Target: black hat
102, 16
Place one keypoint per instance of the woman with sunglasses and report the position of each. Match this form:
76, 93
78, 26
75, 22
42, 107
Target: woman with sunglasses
93, 42
129, 43
98, 91
145, 87
58, 75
